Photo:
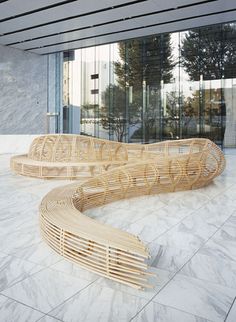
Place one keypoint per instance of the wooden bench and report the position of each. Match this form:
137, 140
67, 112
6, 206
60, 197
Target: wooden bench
68, 156
74, 156
111, 252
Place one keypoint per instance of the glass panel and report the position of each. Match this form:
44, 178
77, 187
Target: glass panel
167, 86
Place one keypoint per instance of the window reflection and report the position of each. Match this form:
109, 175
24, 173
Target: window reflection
168, 86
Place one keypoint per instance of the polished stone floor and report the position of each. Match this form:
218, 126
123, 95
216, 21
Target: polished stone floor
191, 236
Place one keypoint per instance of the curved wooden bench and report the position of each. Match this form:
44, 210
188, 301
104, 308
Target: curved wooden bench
68, 156
74, 156
108, 251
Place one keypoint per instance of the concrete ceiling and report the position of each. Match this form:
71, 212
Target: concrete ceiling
49, 26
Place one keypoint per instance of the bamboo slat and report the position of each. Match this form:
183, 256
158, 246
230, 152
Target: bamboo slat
75, 156
160, 167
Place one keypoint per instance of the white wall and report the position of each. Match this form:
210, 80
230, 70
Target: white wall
23, 92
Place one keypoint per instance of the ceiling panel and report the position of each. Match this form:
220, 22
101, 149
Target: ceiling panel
48, 26
64, 11
103, 17
140, 22
13, 8
171, 27
77, 23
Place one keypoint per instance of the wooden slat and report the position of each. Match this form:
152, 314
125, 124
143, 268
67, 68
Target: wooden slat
161, 167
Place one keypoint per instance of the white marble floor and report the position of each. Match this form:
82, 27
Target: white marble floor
191, 236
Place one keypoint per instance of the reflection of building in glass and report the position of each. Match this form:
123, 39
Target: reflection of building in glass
66, 88
159, 87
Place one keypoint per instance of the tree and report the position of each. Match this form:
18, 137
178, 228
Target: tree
149, 60
210, 52
114, 116
143, 65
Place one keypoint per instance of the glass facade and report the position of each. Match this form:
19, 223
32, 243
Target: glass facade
166, 86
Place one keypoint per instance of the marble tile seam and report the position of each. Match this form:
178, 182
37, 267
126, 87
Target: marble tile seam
43, 265
172, 307
69, 298
125, 207
207, 306
24, 278
220, 192
175, 225
11, 250
232, 215
233, 303
216, 271
151, 299
128, 224
217, 230
30, 228
205, 280
136, 221
31, 307
189, 215
71, 275
50, 316
176, 273
14, 223
30, 261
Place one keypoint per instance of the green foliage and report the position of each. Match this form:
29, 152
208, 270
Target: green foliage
114, 113
148, 60
142, 63
210, 51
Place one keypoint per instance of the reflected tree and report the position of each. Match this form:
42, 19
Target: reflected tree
210, 52
142, 66
114, 115
149, 60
